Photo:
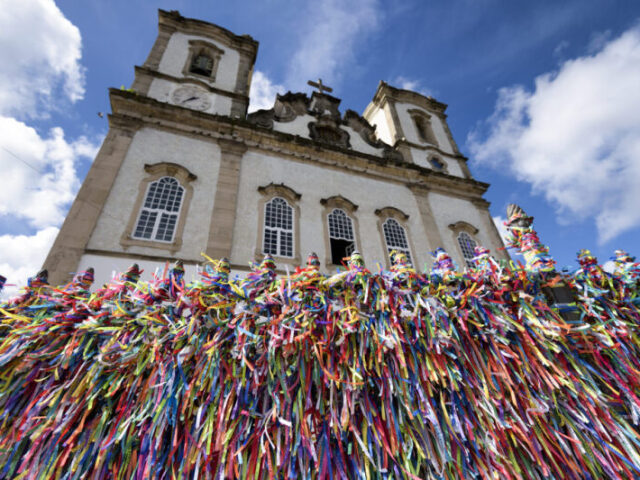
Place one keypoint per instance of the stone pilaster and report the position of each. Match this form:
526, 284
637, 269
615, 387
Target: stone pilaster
421, 194
142, 81
223, 216
492, 231
74, 235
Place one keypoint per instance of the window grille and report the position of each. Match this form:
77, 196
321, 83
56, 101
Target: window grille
278, 228
396, 238
467, 245
159, 214
340, 225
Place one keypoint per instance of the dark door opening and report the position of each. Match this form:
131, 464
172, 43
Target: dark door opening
340, 249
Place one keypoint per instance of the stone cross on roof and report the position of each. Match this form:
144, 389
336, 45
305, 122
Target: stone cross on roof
321, 88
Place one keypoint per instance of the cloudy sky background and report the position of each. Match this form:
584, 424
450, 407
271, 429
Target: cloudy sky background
543, 98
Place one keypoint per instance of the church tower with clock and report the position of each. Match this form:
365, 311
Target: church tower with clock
185, 170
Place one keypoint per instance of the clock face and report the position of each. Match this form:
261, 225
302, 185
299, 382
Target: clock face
191, 97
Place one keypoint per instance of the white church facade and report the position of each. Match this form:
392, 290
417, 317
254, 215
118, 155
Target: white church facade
184, 170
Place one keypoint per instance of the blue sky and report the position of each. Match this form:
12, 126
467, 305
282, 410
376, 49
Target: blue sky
543, 97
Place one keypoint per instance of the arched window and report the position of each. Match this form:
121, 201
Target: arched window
278, 228
396, 238
341, 235
159, 214
467, 244
160, 211
201, 64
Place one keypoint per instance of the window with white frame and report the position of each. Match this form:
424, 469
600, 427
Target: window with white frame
395, 237
159, 213
467, 246
341, 236
278, 228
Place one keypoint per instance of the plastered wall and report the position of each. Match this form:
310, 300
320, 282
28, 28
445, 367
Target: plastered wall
315, 183
150, 146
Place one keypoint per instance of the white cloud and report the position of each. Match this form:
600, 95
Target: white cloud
40, 54
263, 92
329, 38
411, 84
40, 70
39, 174
21, 256
576, 137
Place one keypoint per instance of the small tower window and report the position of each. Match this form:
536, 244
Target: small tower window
278, 228
202, 64
202, 60
437, 164
340, 235
467, 245
423, 127
396, 238
159, 214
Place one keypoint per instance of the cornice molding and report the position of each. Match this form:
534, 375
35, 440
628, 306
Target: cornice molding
233, 147
172, 169
386, 91
190, 80
138, 111
338, 201
175, 22
391, 212
275, 189
463, 227
404, 141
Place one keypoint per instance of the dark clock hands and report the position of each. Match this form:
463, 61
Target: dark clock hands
189, 99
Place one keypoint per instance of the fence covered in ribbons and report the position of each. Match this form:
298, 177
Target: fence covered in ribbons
497, 371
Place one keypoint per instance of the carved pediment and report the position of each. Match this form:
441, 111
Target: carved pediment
328, 125
262, 118
323, 105
290, 105
327, 130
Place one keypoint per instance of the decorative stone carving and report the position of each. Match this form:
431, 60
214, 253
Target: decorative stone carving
262, 118
290, 106
326, 130
323, 105
327, 126
286, 108
391, 154
363, 128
